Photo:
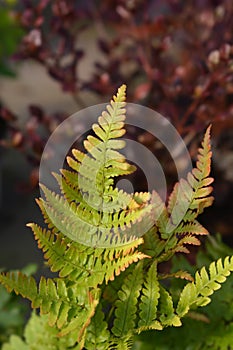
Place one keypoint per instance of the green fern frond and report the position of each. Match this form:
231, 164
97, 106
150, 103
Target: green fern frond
126, 305
149, 300
91, 211
79, 323
168, 317
69, 258
199, 179
103, 161
50, 297
160, 214
54, 298
87, 265
20, 283
98, 336
153, 245
197, 293
117, 228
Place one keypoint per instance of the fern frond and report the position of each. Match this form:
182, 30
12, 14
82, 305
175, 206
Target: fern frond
49, 297
192, 228
153, 244
126, 305
197, 293
79, 323
193, 193
177, 224
69, 258
160, 214
20, 283
178, 274
103, 161
149, 300
195, 190
53, 297
86, 225
98, 336
91, 211
78, 262
168, 317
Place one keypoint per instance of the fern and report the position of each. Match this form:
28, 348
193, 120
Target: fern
149, 301
98, 336
55, 298
76, 261
168, 316
126, 305
195, 189
176, 224
104, 215
38, 335
209, 330
109, 287
197, 293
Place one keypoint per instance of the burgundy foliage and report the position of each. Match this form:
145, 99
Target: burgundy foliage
175, 56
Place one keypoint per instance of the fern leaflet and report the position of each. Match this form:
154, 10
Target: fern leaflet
126, 305
168, 317
149, 301
197, 293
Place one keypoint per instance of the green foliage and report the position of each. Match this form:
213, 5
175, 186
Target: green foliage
109, 287
126, 305
210, 330
197, 293
76, 261
10, 34
97, 333
12, 311
98, 214
38, 335
149, 301
11, 315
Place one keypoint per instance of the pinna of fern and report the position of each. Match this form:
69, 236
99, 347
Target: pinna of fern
93, 242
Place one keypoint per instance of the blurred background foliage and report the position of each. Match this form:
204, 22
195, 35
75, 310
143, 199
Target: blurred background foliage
57, 57
13, 310
10, 32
